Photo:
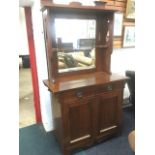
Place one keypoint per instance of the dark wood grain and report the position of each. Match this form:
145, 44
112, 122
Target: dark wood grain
104, 44
120, 6
86, 104
80, 121
80, 81
74, 8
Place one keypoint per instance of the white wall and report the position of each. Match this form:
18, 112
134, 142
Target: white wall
23, 42
45, 102
122, 60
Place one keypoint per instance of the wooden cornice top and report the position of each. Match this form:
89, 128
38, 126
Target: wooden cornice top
74, 8
79, 81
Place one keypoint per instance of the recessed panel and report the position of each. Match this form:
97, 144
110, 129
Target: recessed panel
80, 121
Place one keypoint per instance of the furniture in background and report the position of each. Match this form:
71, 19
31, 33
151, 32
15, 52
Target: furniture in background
74, 59
87, 45
131, 139
68, 46
131, 86
87, 103
25, 61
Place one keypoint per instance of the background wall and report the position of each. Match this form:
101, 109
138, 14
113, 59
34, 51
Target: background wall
120, 5
121, 60
23, 43
45, 102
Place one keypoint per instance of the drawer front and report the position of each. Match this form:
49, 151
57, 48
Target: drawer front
109, 87
82, 93
77, 94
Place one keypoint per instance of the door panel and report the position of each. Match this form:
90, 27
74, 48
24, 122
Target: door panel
80, 120
109, 113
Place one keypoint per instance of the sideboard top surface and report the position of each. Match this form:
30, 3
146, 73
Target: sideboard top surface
79, 81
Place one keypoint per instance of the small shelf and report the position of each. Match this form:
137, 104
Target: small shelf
67, 49
62, 49
102, 46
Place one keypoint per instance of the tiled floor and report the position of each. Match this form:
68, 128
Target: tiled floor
25, 82
26, 103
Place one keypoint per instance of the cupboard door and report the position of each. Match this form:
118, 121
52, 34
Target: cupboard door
108, 113
79, 122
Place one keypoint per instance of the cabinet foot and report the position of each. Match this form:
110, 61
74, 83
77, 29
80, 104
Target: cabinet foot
66, 152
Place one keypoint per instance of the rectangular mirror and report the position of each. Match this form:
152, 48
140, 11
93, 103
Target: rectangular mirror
75, 44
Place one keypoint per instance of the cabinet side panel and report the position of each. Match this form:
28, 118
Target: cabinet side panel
44, 15
49, 34
57, 116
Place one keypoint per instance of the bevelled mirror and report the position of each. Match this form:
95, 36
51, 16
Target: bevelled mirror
75, 44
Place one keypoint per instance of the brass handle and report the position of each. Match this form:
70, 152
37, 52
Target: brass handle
109, 87
79, 94
106, 129
79, 139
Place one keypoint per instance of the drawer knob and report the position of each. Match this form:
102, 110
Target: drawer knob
109, 87
79, 94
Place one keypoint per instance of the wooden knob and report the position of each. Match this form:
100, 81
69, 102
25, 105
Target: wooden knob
79, 94
109, 87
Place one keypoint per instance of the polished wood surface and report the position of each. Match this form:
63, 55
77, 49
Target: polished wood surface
109, 113
79, 81
87, 104
85, 115
120, 6
75, 8
103, 43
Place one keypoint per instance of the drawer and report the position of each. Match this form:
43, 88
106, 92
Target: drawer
75, 94
82, 93
109, 87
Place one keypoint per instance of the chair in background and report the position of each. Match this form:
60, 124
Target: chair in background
25, 61
131, 86
67, 46
131, 139
86, 45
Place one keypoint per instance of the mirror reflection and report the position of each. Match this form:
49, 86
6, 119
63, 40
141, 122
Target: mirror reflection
75, 41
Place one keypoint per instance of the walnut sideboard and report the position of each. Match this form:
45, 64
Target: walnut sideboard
86, 109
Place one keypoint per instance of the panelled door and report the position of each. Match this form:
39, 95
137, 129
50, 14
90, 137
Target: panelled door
79, 121
108, 113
